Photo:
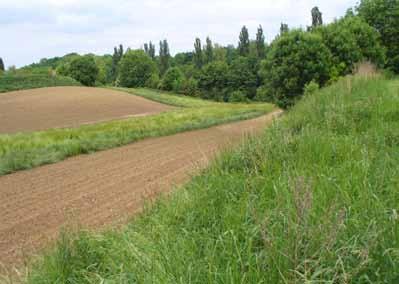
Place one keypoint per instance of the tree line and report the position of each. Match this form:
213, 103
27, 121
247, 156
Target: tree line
254, 70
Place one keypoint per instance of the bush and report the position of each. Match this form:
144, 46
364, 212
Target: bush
153, 82
238, 97
173, 80
263, 95
84, 70
190, 87
295, 59
311, 88
135, 69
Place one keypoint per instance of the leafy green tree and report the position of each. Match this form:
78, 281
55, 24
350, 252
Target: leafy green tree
173, 80
317, 17
190, 87
383, 15
164, 56
135, 69
260, 43
295, 59
208, 51
243, 44
242, 76
198, 57
350, 41
2, 69
84, 70
213, 81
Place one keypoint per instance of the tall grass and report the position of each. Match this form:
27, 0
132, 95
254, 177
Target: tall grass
313, 200
23, 82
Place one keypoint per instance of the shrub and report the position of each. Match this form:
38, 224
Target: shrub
173, 79
311, 88
190, 87
135, 68
153, 82
84, 70
237, 97
295, 59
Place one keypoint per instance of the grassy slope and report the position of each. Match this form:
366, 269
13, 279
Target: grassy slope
28, 150
23, 82
313, 200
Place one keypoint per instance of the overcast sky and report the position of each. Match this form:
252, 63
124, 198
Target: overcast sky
33, 29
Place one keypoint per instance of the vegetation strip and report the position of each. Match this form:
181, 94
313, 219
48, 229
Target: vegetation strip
25, 151
313, 200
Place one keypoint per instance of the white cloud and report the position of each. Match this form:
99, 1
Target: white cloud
44, 28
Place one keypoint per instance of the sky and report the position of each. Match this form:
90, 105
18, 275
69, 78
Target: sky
34, 29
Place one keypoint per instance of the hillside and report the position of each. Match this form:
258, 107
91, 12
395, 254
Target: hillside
313, 200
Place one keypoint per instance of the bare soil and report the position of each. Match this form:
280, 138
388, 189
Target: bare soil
105, 188
40, 109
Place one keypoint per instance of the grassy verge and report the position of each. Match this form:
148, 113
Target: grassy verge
28, 150
169, 98
22, 82
314, 200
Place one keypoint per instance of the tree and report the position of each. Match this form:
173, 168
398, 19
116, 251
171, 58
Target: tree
1, 65
243, 44
213, 81
260, 43
242, 76
116, 57
84, 70
198, 58
295, 59
135, 69
173, 79
283, 29
149, 49
383, 15
317, 17
208, 51
350, 41
164, 56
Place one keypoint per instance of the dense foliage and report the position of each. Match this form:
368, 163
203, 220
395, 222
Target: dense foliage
84, 70
135, 68
295, 59
383, 15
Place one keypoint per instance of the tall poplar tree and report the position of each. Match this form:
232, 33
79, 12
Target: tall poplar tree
317, 17
208, 50
243, 44
1, 65
260, 43
198, 57
164, 56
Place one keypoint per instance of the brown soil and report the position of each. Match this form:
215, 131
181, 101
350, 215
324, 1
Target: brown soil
45, 108
104, 188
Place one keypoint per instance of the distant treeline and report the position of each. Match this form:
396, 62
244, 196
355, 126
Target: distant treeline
254, 70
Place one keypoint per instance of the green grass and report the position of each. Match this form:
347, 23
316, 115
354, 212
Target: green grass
170, 98
23, 82
28, 150
313, 200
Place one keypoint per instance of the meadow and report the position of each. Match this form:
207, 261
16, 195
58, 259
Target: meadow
312, 200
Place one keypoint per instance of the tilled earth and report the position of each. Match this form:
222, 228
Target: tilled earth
44, 108
105, 188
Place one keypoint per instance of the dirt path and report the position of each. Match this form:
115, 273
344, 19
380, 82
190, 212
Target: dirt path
104, 188
45, 108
